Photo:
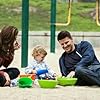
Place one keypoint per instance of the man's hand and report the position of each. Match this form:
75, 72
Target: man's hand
71, 74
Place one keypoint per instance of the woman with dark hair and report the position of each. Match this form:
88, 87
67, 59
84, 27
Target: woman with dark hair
8, 45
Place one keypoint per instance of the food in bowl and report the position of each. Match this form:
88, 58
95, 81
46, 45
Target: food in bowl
47, 83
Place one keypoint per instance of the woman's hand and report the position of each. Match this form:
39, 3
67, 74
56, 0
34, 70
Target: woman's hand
16, 45
7, 79
71, 74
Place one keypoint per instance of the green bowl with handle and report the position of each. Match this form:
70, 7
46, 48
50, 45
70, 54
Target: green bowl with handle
47, 83
64, 81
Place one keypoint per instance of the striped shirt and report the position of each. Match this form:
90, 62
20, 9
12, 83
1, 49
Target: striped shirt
35, 65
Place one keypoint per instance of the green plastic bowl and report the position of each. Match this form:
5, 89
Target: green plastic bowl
25, 82
47, 83
64, 81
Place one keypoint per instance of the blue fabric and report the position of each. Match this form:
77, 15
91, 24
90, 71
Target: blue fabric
85, 49
87, 69
88, 76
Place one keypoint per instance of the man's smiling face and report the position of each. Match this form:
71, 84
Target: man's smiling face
67, 44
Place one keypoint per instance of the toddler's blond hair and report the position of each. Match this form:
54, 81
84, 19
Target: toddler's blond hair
39, 50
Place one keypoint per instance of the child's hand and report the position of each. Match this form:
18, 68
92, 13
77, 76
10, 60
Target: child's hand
54, 75
34, 71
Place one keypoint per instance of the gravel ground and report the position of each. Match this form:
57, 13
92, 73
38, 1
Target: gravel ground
58, 93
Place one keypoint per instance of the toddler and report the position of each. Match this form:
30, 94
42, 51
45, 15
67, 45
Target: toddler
38, 66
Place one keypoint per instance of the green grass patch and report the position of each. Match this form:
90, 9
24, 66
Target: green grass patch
39, 17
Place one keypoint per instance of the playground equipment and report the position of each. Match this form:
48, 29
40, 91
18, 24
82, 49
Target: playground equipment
25, 23
54, 24
25, 26
53, 28
97, 12
68, 18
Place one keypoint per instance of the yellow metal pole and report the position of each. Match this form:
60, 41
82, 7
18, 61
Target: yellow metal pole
68, 18
97, 12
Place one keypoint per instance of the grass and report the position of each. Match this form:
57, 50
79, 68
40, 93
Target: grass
39, 17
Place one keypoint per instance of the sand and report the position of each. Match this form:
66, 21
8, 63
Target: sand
58, 93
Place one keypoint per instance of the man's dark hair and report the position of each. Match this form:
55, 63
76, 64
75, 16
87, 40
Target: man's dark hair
63, 34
